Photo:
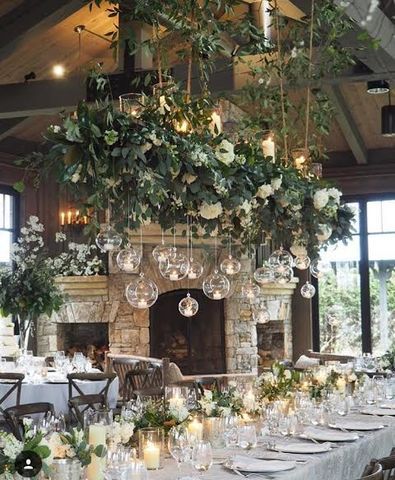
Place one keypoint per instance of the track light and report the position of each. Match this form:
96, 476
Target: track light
378, 87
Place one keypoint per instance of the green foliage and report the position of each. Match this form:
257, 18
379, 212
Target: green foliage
278, 384
78, 441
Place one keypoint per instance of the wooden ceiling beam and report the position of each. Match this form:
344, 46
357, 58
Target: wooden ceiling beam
348, 125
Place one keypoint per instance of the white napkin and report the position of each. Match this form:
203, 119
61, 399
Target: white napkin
249, 464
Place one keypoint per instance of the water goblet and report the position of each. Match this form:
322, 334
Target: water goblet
202, 456
178, 444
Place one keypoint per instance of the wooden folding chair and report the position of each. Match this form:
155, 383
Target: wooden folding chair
14, 415
141, 383
13, 383
373, 471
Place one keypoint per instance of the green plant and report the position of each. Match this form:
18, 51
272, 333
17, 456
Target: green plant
280, 383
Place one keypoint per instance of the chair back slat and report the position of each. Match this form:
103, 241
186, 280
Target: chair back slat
14, 415
14, 380
143, 383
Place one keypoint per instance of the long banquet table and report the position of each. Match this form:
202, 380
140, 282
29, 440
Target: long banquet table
345, 461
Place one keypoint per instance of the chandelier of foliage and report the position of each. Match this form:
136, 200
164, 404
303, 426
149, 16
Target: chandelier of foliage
166, 161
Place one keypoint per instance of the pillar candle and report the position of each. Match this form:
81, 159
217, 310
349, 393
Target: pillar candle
62, 218
97, 436
269, 147
151, 454
195, 428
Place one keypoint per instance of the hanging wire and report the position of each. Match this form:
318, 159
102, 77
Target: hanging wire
308, 96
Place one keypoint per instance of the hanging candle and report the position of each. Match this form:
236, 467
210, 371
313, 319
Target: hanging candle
142, 292
319, 268
307, 290
128, 259
175, 267
302, 262
195, 269
163, 252
281, 257
250, 291
230, 266
216, 286
264, 274
108, 239
282, 274
188, 306
260, 314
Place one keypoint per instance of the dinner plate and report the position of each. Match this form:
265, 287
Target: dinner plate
356, 425
389, 404
378, 411
253, 465
303, 448
322, 435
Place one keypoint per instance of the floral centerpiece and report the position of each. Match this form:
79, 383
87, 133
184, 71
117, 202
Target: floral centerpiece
74, 444
27, 288
278, 384
216, 403
327, 379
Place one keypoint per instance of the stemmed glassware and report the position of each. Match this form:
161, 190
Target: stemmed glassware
202, 456
179, 445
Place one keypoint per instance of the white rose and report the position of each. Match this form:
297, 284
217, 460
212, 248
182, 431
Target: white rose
320, 199
276, 183
335, 194
264, 191
188, 178
298, 250
209, 212
225, 152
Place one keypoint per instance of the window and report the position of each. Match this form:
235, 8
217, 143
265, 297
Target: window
355, 306
9, 206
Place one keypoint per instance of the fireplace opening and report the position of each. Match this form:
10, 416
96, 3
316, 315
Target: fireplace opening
89, 338
195, 344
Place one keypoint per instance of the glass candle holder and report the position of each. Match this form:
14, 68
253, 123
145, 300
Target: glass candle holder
131, 104
268, 145
151, 447
213, 431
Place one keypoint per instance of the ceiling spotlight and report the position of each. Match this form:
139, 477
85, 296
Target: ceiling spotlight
58, 71
30, 76
388, 119
378, 87
79, 28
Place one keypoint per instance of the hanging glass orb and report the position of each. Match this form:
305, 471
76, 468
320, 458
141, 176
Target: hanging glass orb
324, 232
128, 259
163, 252
282, 274
188, 306
230, 266
250, 291
281, 257
142, 292
307, 290
302, 263
260, 314
195, 269
216, 286
175, 267
264, 274
319, 268
108, 239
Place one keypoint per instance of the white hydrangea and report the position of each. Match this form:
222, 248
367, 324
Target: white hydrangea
225, 152
210, 211
335, 194
320, 199
60, 237
264, 191
298, 250
276, 183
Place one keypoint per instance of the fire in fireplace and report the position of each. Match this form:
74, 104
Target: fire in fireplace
197, 343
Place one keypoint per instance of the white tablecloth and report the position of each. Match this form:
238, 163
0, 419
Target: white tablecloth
345, 462
57, 393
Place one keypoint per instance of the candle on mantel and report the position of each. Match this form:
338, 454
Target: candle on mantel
142, 304
192, 275
195, 428
69, 217
97, 436
217, 295
269, 147
62, 218
173, 276
151, 454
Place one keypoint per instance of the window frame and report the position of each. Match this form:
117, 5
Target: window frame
7, 190
366, 320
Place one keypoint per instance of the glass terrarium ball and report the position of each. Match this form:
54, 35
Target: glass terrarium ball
281, 257
230, 266
264, 274
128, 259
260, 314
195, 269
188, 306
108, 239
163, 252
216, 286
142, 292
307, 290
302, 263
324, 232
319, 268
175, 267
250, 291
282, 274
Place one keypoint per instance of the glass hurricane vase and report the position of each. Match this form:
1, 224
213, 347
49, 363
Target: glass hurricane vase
25, 324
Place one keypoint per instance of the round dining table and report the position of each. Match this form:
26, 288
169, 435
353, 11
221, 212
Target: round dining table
54, 389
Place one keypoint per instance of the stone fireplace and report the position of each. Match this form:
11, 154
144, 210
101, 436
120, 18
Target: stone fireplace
99, 305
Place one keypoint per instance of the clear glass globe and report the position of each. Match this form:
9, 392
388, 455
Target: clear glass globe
282, 274
260, 314
163, 252
307, 290
175, 267
281, 257
195, 269
216, 286
128, 259
250, 291
324, 232
264, 274
230, 266
302, 263
108, 239
188, 306
142, 292
319, 268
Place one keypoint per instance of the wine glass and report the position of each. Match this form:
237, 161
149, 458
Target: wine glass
202, 456
178, 444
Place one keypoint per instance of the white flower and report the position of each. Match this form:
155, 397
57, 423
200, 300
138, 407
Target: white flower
225, 411
188, 178
335, 194
145, 147
208, 394
276, 183
287, 374
12, 447
155, 140
264, 191
76, 175
298, 250
352, 377
320, 199
60, 237
55, 128
225, 152
210, 211
341, 384
246, 206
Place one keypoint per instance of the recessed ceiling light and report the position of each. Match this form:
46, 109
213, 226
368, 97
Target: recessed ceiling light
378, 87
58, 71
